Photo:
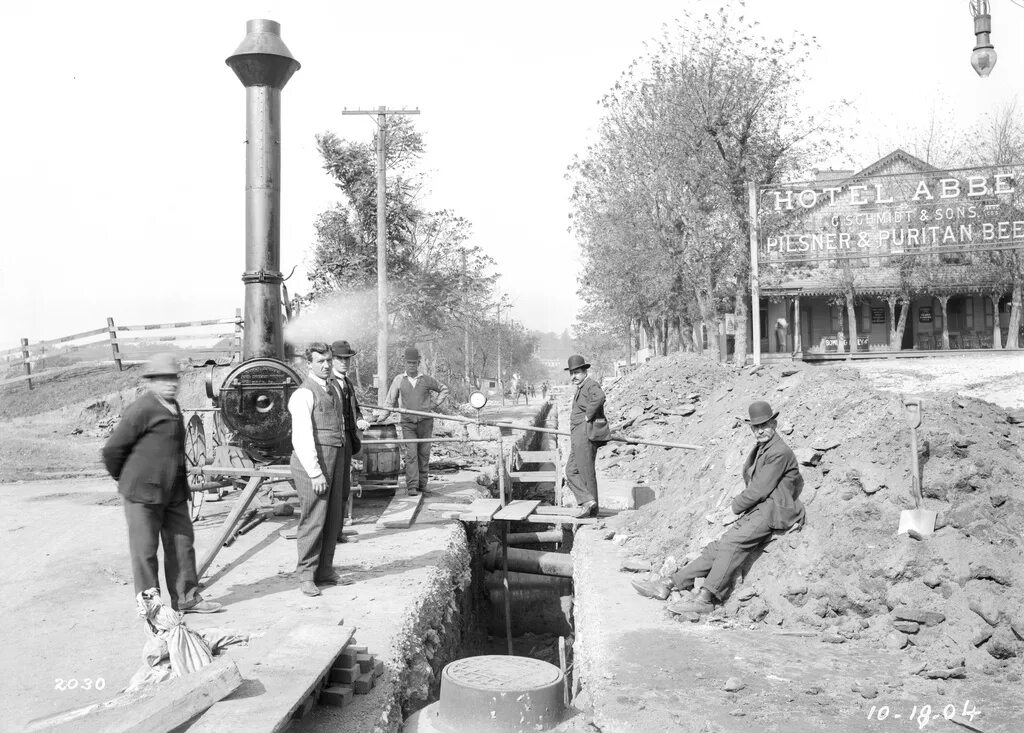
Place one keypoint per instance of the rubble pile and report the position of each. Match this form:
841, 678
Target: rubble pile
953, 601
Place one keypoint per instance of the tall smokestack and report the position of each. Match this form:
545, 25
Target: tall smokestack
264, 65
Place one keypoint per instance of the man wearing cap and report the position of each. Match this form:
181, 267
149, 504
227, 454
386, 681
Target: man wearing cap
587, 406
146, 456
341, 353
769, 502
411, 391
318, 443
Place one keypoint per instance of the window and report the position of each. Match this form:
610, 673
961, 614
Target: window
764, 324
865, 318
936, 315
989, 318
836, 314
969, 313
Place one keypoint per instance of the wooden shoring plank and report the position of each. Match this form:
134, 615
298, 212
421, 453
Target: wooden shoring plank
126, 342
160, 707
281, 471
517, 510
558, 519
401, 511
481, 510
570, 511
178, 324
538, 456
533, 476
278, 680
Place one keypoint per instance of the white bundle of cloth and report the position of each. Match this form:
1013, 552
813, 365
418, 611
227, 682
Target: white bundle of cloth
173, 649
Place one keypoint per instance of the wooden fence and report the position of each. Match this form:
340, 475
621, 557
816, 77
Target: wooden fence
125, 346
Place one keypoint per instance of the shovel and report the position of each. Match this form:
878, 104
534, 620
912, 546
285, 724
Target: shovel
918, 520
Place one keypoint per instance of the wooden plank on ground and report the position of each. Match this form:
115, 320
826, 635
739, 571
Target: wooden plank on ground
538, 456
570, 511
559, 519
517, 510
401, 511
280, 673
481, 510
440, 506
533, 476
158, 708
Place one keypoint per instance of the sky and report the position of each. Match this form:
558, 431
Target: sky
124, 161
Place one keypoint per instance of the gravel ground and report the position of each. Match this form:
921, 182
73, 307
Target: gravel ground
996, 378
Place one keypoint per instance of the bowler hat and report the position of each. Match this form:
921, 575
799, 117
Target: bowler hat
412, 354
761, 412
577, 362
161, 365
341, 348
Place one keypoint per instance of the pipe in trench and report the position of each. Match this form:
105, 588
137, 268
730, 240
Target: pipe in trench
528, 538
531, 561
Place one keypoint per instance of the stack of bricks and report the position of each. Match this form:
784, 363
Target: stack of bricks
354, 672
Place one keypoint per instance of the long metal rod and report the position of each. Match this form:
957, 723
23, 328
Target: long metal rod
504, 548
229, 524
530, 428
382, 263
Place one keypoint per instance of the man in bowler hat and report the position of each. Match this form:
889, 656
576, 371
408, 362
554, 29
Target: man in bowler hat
769, 502
587, 406
341, 354
412, 391
146, 456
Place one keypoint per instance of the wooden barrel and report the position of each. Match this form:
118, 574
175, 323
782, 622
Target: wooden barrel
381, 460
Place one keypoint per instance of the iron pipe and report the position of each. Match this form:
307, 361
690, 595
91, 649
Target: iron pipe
530, 561
527, 538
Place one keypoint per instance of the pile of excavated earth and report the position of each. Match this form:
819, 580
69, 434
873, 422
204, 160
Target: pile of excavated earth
952, 601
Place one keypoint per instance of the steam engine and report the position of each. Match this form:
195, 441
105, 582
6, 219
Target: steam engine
253, 398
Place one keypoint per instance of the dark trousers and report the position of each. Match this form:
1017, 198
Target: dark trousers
148, 526
579, 469
343, 479
417, 455
723, 557
320, 521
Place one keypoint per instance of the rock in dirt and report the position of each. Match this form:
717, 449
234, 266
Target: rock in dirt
981, 571
896, 641
786, 428
807, 456
833, 638
982, 636
907, 627
824, 444
733, 684
1002, 645
635, 565
746, 594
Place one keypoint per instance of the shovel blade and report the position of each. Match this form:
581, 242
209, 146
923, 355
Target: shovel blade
921, 521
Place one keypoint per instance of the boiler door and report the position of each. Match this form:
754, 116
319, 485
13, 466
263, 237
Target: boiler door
254, 404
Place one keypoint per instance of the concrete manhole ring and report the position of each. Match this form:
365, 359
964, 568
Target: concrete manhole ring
501, 673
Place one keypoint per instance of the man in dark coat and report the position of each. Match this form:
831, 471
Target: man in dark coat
318, 444
587, 406
412, 391
341, 353
769, 502
146, 456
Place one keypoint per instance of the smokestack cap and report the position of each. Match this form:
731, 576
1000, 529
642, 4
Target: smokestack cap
262, 59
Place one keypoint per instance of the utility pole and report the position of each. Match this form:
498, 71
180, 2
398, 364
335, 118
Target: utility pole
465, 322
501, 382
382, 262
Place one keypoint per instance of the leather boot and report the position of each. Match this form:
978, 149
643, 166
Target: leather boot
660, 588
703, 603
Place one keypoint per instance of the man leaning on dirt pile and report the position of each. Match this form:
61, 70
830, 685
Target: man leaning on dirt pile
769, 503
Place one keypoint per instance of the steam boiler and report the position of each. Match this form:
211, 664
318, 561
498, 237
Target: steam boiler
251, 401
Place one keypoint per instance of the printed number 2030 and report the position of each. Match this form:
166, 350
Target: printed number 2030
87, 683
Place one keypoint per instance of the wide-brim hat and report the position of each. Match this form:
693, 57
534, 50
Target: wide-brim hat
761, 412
412, 354
162, 365
576, 362
342, 348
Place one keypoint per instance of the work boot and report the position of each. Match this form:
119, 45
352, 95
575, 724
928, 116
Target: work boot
703, 603
588, 509
342, 539
660, 588
308, 587
201, 606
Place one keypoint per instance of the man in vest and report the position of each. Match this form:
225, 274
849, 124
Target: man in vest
146, 456
354, 423
768, 503
318, 442
587, 406
411, 391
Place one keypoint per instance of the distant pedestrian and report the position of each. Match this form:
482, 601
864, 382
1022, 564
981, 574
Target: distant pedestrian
587, 406
146, 456
532, 390
341, 354
544, 390
318, 443
411, 391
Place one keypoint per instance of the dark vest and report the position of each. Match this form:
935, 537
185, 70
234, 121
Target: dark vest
328, 422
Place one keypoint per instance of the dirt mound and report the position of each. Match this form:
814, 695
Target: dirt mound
955, 597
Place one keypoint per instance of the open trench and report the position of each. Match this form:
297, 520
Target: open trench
468, 619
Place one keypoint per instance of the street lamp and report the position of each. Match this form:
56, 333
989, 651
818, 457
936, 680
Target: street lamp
983, 58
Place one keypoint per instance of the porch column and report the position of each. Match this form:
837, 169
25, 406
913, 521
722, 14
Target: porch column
797, 346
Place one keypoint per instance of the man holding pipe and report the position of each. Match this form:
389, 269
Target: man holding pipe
318, 442
768, 503
412, 391
341, 353
587, 406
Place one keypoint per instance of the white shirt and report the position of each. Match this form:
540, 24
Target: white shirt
300, 405
413, 380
